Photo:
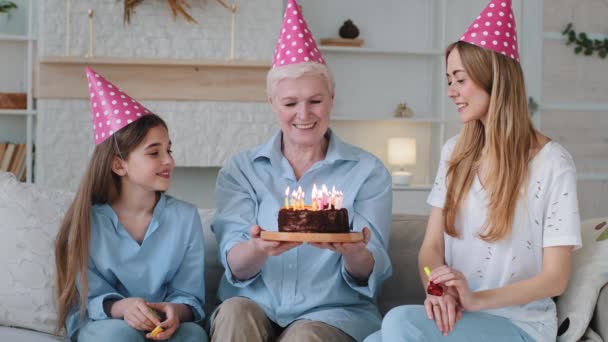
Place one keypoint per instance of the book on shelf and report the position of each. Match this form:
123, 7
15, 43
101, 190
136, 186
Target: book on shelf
2, 149
13, 159
18, 159
7, 157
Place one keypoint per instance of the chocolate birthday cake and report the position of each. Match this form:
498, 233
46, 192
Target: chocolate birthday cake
313, 221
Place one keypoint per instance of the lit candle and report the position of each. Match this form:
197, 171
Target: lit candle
299, 197
314, 198
325, 200
287, 198
339, 200
302, 200
293, 200
332, 203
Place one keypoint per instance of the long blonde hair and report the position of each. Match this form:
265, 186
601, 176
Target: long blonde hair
505, 142
99, 185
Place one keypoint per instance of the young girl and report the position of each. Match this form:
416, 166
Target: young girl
129, 258
505, 216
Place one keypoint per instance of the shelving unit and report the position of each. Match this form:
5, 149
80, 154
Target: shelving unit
7, 115
400, 62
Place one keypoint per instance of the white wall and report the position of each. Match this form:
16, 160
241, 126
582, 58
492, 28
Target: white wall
574, 108
204, 133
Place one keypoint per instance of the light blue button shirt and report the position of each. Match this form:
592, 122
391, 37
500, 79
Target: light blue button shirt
167, 267
306, 282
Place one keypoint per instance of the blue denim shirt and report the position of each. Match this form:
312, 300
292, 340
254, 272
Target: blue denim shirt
167, 267
306, 282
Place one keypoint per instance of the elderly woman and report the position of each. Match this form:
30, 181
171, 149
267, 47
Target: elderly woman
290, 291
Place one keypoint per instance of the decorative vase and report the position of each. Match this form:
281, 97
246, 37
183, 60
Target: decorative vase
349, 30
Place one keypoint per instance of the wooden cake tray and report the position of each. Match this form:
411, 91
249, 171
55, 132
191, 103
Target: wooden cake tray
312, 237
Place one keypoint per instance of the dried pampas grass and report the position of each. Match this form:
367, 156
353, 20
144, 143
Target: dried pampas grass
178, 7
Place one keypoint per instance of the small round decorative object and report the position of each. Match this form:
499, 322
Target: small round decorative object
349, 30
402, 111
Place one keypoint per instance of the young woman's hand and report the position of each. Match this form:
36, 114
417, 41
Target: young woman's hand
453, 278
269, 248
171, 322
136, 313
444, 310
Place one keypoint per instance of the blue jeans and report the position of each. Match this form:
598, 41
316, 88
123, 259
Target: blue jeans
410, 323
117, 330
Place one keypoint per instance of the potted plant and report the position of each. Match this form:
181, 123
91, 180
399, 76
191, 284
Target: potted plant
5, 8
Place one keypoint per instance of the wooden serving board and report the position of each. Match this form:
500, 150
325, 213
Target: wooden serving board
312, 237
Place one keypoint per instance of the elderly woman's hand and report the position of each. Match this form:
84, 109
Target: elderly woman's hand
358, 260
269, 248
347, 248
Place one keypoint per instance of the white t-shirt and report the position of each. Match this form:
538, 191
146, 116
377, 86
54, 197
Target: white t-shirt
546, 216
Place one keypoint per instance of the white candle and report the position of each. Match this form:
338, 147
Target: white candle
90, 53
287, 198
233, 9
68, 20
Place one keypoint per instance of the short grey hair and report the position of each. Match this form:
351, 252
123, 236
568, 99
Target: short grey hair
292, 71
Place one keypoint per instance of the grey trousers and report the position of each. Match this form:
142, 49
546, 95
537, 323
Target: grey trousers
240, 319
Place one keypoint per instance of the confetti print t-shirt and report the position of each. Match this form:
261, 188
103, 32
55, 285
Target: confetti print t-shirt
546, 215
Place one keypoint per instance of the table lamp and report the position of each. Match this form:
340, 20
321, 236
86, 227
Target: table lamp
401, 152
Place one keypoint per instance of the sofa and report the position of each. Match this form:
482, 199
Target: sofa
29, 219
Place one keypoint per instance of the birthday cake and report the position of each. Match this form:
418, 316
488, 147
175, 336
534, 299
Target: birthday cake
325, 215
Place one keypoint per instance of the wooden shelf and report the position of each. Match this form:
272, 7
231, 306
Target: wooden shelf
421, 120
17, 112
18, 38
363, 50
156, 79
413, 187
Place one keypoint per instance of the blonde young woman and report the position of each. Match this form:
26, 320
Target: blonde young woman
505, 216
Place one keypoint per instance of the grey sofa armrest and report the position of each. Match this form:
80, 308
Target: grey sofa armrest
599, 323
404, 287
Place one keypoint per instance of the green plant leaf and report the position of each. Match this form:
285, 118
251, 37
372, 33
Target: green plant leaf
603, 236
588, 52
572, 36
582, 36
578, 49
567, 29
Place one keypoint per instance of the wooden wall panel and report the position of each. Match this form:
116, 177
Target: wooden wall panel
172, 80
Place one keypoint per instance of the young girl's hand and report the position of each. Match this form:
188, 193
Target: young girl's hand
269, 248
170, 324
453, 278
136, 314
445, 310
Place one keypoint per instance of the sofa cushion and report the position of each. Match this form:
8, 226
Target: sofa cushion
23, 335
30, 219
589, 274
213, 269
600, 316
404, 287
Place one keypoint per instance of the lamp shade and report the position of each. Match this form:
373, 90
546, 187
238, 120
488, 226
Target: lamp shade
402, 151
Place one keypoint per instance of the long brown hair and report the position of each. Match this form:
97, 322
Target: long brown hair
505, 142
99, 185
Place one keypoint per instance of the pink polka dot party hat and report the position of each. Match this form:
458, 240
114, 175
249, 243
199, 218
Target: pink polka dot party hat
494, 29
111, 108
296, 43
